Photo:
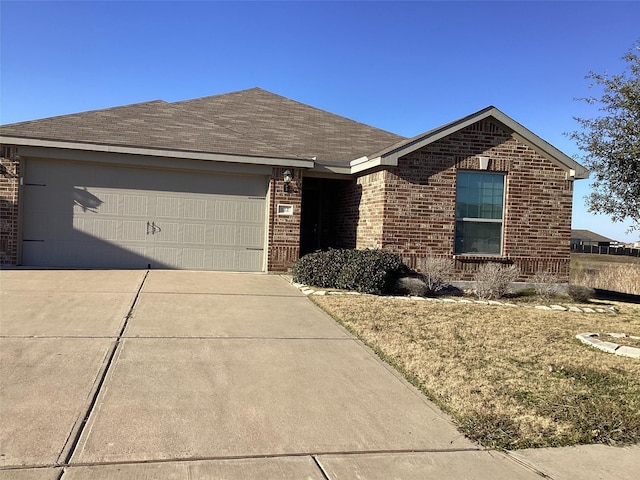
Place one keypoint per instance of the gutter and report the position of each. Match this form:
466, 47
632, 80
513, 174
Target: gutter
153, 152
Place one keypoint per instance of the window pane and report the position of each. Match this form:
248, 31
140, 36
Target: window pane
476, 237
479, 195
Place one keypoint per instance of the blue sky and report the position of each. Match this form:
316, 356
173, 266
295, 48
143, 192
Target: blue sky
406, 67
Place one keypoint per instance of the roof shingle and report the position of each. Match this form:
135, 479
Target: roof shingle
250, 122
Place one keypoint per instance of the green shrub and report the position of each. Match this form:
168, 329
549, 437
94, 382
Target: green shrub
365, 271
580, 293
320, 269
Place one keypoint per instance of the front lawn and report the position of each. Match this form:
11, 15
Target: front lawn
609, 272
510, 377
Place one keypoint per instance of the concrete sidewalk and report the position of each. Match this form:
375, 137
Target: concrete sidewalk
214, 375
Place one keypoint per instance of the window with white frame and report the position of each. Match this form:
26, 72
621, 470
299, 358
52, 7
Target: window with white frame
479, 213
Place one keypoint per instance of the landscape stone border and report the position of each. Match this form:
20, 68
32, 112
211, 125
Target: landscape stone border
610, 347
305, 289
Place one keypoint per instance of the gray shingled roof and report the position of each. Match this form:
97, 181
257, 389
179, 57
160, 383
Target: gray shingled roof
589, 236
250, 122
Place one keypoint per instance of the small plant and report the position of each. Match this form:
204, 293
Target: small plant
580, 293
492, 280
546, 285
436, 273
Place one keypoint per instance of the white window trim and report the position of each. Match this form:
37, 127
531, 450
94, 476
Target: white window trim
483, 220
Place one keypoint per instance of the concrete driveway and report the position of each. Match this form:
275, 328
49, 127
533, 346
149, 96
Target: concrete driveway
173, 374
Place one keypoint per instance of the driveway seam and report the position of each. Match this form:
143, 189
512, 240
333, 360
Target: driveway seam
320, 467
71, 447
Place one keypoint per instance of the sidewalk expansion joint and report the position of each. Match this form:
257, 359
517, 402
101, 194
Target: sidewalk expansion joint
105, 371
214, 458
526, 465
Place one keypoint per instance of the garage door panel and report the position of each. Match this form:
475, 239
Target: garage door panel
45, 209
195, 209
168, 256
166, 232
194, 259
194, 233
134, 205
224, 235
102, 216
250, 211
86, 255
249, 260
168, 207
222, 259
134, 230
249, 236
224, 210
106, 229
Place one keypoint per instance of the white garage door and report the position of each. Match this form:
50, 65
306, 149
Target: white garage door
83, 215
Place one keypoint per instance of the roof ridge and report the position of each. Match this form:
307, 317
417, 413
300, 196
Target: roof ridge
216, 95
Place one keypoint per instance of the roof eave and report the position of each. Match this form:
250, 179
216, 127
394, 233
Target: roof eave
373, 163
158, 152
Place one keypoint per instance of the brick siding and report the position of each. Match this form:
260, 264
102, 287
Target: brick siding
9, 191
284, 230
371, 189
418, 217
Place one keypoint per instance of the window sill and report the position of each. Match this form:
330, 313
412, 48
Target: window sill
474, 257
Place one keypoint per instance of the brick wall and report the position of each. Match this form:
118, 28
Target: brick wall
420, 194
9, 182
284, 230
371, 190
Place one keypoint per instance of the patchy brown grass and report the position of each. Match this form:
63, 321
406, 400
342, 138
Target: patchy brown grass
511, 377
624, 341
609, 272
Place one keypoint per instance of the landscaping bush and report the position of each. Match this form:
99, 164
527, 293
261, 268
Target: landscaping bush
320, 268
365, 271
411, 285
580, 293
436, 273
492, 280
546, 285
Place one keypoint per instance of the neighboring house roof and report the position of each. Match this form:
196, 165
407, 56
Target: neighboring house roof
249, 126
589, 236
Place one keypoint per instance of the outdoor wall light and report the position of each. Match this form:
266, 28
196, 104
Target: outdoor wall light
287, 177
